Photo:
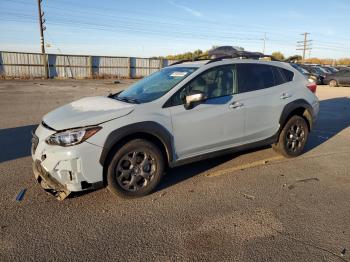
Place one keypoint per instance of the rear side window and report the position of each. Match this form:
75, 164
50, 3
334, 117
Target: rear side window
278, 76
288, 75
252, 77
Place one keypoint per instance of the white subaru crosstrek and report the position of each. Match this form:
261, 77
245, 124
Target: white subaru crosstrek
182, 113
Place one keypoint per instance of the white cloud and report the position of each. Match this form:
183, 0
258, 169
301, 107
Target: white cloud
187, 9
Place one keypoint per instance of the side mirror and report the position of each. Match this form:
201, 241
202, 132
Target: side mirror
192, 99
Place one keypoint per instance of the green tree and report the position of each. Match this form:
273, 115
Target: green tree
278, 55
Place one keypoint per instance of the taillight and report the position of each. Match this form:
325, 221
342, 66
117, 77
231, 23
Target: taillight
312, 87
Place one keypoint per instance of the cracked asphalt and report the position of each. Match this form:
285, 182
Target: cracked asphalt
251, 206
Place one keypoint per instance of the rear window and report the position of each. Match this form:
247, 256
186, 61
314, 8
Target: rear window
288, 75
279, 78
253, 77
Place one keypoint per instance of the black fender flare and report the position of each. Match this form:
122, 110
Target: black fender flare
146, 127
295, 105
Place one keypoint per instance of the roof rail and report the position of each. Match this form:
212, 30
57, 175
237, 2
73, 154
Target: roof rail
198, 58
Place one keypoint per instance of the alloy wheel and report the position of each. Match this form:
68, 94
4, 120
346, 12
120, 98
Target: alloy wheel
295, 137
135, 170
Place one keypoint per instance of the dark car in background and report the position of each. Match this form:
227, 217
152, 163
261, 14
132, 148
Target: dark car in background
331, 69
314, 77
316, 71
340, 78
342, 68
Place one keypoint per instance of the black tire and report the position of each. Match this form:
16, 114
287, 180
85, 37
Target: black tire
293, 137
136, 169
333, 83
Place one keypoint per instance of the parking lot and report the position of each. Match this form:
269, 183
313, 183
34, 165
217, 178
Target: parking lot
251, 206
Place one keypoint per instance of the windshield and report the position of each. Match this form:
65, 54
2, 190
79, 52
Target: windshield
156, 85
322, 70
317, 70
300, 69
333, 70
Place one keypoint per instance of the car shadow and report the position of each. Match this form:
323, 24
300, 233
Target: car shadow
15, 142
181, 173
334, 117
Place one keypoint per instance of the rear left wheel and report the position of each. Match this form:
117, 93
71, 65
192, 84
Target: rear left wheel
136, 169
293, 137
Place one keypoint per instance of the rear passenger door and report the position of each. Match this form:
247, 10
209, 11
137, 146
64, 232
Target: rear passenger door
264, 91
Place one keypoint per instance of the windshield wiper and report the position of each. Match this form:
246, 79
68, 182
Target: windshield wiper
128, 100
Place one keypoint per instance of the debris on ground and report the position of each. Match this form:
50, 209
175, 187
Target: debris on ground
305, 180
290, 187
308, 179
162, 194
20, 195
116, 82
249, 196
343, 252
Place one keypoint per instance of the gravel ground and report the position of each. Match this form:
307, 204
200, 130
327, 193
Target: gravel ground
252, 206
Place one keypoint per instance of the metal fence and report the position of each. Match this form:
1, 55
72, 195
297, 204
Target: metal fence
32, 65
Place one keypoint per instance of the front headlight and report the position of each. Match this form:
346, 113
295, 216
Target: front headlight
72, 136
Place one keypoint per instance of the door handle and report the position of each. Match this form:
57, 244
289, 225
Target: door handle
236, 105
285, 96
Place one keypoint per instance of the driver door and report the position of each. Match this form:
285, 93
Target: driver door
214, 124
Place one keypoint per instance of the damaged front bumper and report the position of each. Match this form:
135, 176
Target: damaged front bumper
62, 170
49, 183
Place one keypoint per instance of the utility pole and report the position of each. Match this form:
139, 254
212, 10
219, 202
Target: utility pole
304, 45
42, 42
264, 43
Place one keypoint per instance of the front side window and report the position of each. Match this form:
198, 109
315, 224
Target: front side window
156, 85
215, 82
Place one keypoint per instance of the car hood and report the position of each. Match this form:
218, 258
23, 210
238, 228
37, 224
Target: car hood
87, 111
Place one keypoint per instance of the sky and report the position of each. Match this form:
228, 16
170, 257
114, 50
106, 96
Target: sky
162, 27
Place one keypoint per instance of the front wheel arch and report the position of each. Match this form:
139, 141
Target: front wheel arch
124, 140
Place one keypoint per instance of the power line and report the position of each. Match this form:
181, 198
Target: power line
264, 43
42, 40
304, 45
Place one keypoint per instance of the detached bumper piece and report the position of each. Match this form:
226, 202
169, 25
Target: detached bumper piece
49, 183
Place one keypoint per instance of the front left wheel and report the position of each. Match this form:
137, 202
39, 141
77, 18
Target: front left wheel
136, 169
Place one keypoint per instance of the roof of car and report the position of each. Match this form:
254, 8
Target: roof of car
200, 63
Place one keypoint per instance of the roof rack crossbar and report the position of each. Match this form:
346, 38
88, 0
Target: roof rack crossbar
241, 56
198, 58
233, 53
180, 62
